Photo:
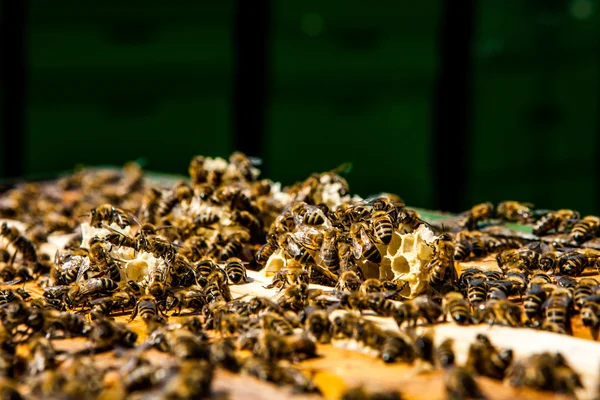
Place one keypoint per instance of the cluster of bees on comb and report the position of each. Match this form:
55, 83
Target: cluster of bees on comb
226, 271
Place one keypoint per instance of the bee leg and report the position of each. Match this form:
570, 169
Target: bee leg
134, 313
14, 256
594, 331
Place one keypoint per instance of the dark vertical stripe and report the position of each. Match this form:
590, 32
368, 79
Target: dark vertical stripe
251, 71
12, 84
452, 106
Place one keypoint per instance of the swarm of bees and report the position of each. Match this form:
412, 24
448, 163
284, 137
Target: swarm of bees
172, 257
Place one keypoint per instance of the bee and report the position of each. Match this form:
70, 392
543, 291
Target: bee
294, 297
276, 323
265, 252
318, 326
296, 250
460, 384
468, 274
549, 260
289, 276
441, 265
524, 258
500, 312
395, 347
555, 220
222, 354
329, 252
444, 355
20, 242
309, 215
457, 308
181, 193
249, 221
106, 333
160, 248
462, 250
485, 359
584, 229
573, 263
147, 307
476, 214
514, 211
557, 309
477, 291
545, 371
408, 220
262, 369
363, 245
232, 248
91, 287
191, 297
193, 380
236, 272
590, 314
533, 302
421, 307
382, 226
517, 279
585, 287
349, 281
360, 394
106, 213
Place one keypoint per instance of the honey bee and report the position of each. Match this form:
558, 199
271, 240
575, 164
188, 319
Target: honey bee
444, 355
181, 193
559, 220
517, 279
249, 221
476, 214
462, 250
20, 242
289, 276
262, 369
585, 287
590, 314
545, 371
557, 310
106, 333
106, 213
349, 281
500, 312
514, 211
193, 380
294, 297
457, 308
276, 323
573, 263
441, 265
360, 394
296, 250
584, 229
222, 353
408, 221
477, 291
420, 308
363, 245
309, 215
382, 226
265, 252
236, 272
533, 302
485, 359
548, 261
197, 171
523, 258
329, 252
395, 347
91, 287
460, 384
318, 326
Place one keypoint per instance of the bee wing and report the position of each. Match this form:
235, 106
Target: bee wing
293, 247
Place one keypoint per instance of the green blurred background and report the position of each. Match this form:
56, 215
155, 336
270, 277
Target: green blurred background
348, 81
